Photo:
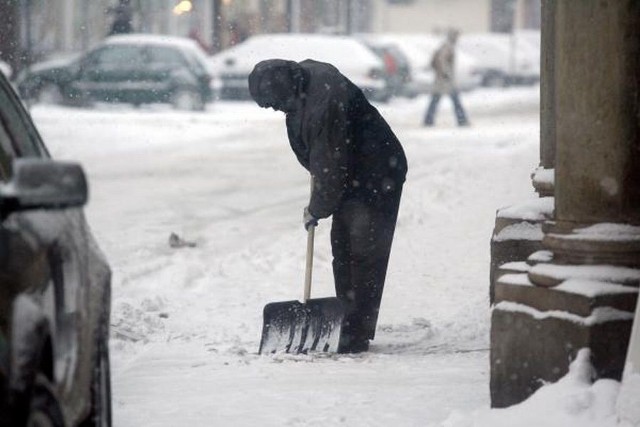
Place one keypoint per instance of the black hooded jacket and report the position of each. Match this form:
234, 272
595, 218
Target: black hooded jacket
338, 136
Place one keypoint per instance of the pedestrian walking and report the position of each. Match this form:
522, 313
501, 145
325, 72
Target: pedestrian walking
122, 17
358, 168
443, 64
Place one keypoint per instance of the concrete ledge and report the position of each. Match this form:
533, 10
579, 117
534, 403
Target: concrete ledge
528, 350
510, 289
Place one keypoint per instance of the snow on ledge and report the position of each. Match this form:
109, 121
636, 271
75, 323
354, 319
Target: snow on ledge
521, 279
516, 266
599, 273
532, 210
543, 176
605, 232
541, 256
593, 288
520, 231
597, 317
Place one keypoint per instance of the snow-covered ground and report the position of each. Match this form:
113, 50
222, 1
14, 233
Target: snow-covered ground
187, 321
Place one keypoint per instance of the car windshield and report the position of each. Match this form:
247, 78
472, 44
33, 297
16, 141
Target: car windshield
118, 56
165, 56
17, 137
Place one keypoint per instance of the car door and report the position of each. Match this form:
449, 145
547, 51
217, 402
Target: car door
112, 73
42, 257
167, 67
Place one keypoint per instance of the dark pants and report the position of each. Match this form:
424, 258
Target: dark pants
457, 105
361, 236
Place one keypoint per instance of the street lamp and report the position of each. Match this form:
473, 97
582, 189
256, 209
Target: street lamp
185, 6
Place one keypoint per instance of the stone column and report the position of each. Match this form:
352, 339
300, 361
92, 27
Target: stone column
598, 176
584, 293
518, 229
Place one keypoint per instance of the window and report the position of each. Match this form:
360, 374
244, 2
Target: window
165, 56
6, 153
117, 57
18, 137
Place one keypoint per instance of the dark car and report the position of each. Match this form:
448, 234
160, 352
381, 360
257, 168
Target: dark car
134, 68
54, 286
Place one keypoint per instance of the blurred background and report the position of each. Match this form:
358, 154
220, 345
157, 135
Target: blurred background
499, 44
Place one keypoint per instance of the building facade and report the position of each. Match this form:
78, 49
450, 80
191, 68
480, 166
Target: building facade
420, 16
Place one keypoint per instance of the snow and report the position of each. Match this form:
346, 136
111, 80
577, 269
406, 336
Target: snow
351, 57
186, 321
542, 176
537, 209
519, 231
594, 288
517, 279
516, 266
540, 256
598, 315
575, 400
602, 273
606, 232
627, 404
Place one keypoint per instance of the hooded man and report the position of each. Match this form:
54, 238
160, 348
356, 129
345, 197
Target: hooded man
358, 168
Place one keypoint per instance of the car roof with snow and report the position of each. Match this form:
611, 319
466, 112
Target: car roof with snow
155, 39
341, 51
180, 43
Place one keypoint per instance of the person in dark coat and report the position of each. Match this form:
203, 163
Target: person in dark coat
358, 169
123, 15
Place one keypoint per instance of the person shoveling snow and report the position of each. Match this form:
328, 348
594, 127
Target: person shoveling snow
358, 168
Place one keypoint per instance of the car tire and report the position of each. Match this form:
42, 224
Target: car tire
186, 99
44, 409
100, 415
50, 94
494, 80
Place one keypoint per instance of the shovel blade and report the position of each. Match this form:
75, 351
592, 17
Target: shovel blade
295, 327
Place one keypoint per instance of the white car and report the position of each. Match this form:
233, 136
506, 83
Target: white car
233, 66
501, 58
419, 50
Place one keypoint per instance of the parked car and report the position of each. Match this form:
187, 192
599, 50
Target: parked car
133, 68
351, 57
527, 56
55, 286
502, 59
396, 65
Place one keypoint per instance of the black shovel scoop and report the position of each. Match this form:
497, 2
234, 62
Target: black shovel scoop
300, 327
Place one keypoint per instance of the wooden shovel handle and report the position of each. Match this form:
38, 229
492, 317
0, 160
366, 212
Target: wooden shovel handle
309, 263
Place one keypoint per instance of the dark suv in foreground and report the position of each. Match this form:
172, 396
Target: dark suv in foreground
134, 68
54, 286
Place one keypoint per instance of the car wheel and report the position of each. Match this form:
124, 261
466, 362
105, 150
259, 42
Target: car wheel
44, 410
187, 99
50, 94
100, 415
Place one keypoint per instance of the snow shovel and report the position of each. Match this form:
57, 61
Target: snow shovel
300, 327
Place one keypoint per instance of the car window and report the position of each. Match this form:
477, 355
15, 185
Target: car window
117, 56
165, 56
196, 62
18, 137
6, 153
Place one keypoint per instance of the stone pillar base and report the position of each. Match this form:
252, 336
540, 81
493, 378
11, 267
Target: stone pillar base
536, 333
517, 234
